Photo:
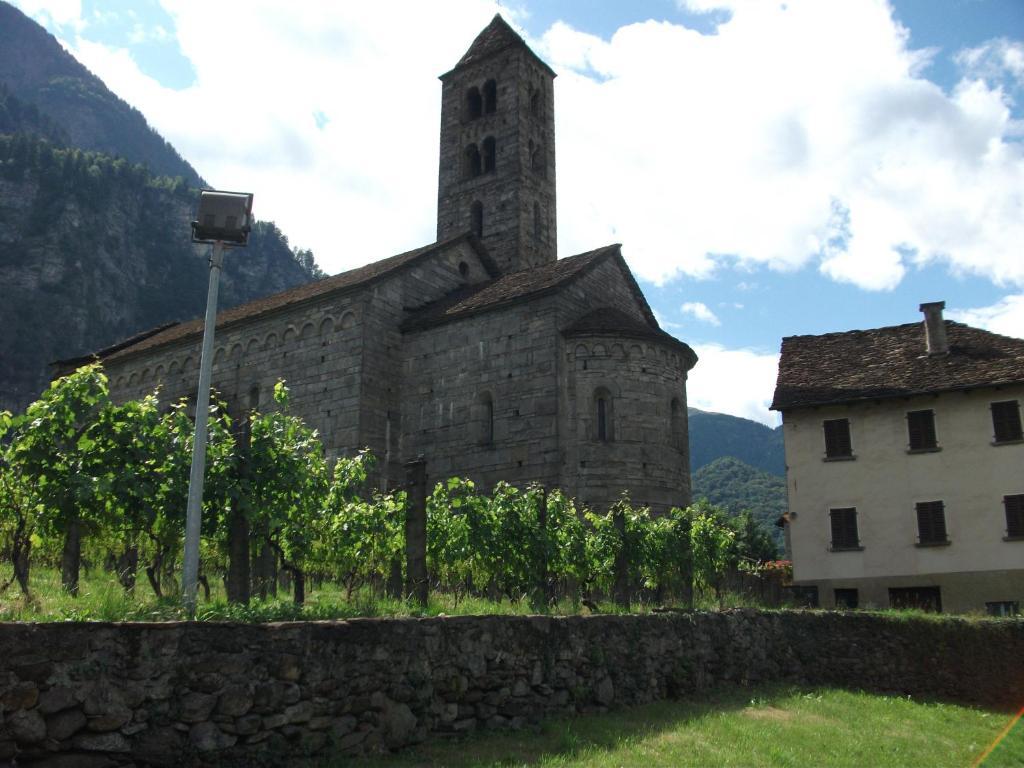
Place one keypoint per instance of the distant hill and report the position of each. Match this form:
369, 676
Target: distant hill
729, 483
37, 71
713, 435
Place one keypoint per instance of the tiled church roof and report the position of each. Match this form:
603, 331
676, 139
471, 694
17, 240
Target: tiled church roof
495, 37
892, 362
507, 289
340, 283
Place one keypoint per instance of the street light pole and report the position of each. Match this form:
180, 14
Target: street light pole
193, 519
222, 218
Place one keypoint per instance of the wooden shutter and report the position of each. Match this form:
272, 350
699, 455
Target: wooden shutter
1006, 421
1014, 514
931, 522
844, 528
921, 429
837, 438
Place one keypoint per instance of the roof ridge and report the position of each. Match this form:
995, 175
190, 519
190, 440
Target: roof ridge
492, 40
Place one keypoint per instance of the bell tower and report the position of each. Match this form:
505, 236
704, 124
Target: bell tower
497, 172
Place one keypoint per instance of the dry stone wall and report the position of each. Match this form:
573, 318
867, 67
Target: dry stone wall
76, 694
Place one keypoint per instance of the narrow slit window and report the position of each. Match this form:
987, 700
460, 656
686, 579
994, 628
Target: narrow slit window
602, 419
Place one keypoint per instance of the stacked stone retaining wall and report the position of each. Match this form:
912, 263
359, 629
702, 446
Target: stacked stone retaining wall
101, 694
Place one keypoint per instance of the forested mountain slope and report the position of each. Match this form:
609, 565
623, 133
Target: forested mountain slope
729, 483
713, 435
39, 72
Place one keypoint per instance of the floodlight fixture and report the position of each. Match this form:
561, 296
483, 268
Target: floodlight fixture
223, 217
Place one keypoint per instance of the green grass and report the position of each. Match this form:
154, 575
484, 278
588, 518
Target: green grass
101, 598
768, 726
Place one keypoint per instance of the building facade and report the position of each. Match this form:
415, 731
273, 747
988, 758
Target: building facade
905, 466
481, 352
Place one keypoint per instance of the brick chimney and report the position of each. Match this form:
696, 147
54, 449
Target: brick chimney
935, 328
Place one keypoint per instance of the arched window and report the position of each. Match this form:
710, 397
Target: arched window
474, 104
604, 424
476, 218
484, 418
472, 169
536, 222
488, 153
254, 397
535, 102
490, 97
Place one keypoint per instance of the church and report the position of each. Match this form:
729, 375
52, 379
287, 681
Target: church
481, 352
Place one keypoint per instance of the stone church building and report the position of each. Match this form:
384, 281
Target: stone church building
483, 352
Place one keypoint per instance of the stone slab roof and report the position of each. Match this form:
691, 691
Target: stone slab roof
608, 321
341, 283
512, 288
492, 40
892, 362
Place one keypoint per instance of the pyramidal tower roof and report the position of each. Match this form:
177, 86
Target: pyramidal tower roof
493, 39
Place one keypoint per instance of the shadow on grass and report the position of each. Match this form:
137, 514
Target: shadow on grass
569, 738
778, 725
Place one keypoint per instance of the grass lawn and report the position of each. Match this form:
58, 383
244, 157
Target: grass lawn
768, 726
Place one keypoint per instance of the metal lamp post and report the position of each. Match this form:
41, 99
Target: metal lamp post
224, 220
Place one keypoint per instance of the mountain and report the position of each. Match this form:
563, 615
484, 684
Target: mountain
735, 486
37, 71
713, 435
94, 249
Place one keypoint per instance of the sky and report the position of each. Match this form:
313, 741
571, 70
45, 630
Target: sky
771, 168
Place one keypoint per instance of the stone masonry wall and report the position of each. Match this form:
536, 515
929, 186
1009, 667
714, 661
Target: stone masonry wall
191, 694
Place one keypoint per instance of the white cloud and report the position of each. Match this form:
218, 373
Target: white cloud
700, 311
1005, 316
735, 381
62, 13
359, 186
1000, 61
777, 141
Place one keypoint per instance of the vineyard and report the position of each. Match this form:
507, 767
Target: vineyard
87, 483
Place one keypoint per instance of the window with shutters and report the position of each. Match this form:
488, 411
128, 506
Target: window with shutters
1006, 422
931, 523
844, 529
837, 439
921, 431
1014, 505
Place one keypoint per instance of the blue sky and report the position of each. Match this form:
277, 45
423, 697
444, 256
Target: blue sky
770, 168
